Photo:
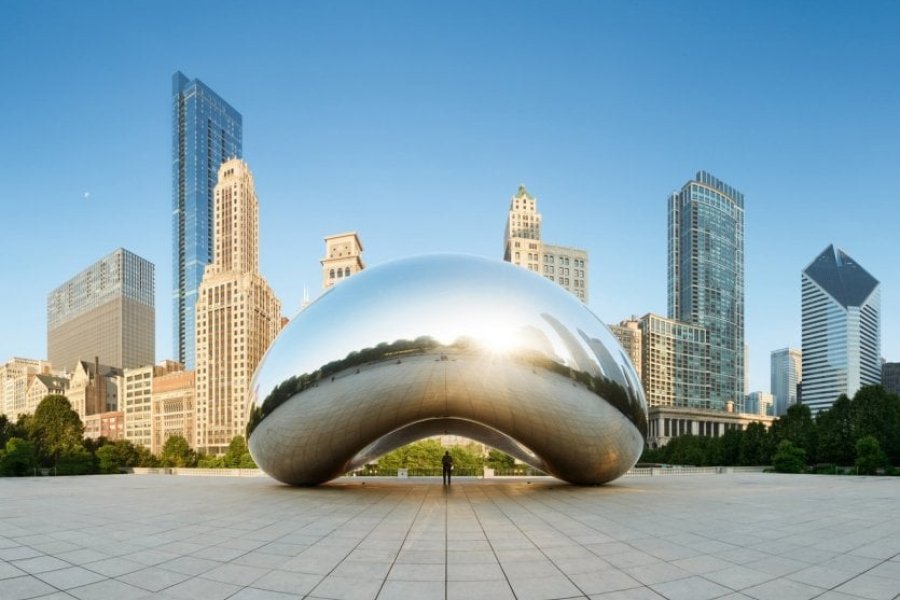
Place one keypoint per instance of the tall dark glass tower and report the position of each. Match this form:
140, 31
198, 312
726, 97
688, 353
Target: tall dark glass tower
706, 277
206, 131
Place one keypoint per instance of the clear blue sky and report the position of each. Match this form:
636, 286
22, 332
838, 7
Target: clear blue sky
414, 123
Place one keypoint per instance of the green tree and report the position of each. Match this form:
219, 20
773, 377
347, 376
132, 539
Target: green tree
876, 412
835, 433
797, 426
176, 452
869, 455
18, 458
114, 456
206, 461
755, 445
145, 458
74, 461
55, 429
467, 459
499, 461
238, 455
731, 447
789, 458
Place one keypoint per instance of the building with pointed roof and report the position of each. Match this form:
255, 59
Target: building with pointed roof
523, 246
42, 386
841, 307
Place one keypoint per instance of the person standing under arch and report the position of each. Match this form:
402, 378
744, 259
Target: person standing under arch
447, 464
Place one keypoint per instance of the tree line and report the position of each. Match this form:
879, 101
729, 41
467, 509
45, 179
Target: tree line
862, 432
424, 458
52, 440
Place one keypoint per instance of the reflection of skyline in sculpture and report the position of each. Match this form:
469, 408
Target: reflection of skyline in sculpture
436, 344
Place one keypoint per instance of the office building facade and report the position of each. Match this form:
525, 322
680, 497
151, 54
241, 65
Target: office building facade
136, 400
206, 131
759, 403
238, 315
706, 276
675, 363
890, 377
343, 258
786, 373
106, 311
566, 266
841, 314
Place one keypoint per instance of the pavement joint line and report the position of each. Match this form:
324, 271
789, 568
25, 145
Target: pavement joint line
412, 522
384, 497
493, 550
860, 574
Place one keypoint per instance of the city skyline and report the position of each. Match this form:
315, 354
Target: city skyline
428, 156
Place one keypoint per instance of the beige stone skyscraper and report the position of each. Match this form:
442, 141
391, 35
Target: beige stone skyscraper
238, 315
522, 241
628, 332
343, 258
522, 246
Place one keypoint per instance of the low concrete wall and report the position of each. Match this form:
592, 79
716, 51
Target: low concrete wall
677, 470
197, 472
488, 473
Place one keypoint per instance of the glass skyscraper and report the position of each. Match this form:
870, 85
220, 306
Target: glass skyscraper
206, 131
786, 373
841, 308
706, 277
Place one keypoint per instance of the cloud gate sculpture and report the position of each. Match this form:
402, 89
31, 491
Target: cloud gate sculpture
446, 344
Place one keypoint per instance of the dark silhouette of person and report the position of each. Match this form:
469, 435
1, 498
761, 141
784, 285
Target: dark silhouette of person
447, 463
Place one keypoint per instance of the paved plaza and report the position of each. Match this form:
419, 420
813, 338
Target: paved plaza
692, 537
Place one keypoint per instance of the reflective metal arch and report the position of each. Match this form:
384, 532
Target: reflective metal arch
446, 344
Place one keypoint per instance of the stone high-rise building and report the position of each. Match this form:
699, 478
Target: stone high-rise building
238, 315
786, 373
567, 267
706, 277
523, 246
343, 258
16, 376
106, 311
628, 332
173, 410
135, 403
42, 386
206, 131
522, 238
841, 314
94, 388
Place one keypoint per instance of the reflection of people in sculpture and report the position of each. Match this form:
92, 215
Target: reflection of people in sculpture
447, 462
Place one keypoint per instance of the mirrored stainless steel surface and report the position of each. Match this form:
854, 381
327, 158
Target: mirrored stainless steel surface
446, 344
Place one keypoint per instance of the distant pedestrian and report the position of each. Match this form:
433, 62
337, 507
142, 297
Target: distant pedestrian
447, 463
